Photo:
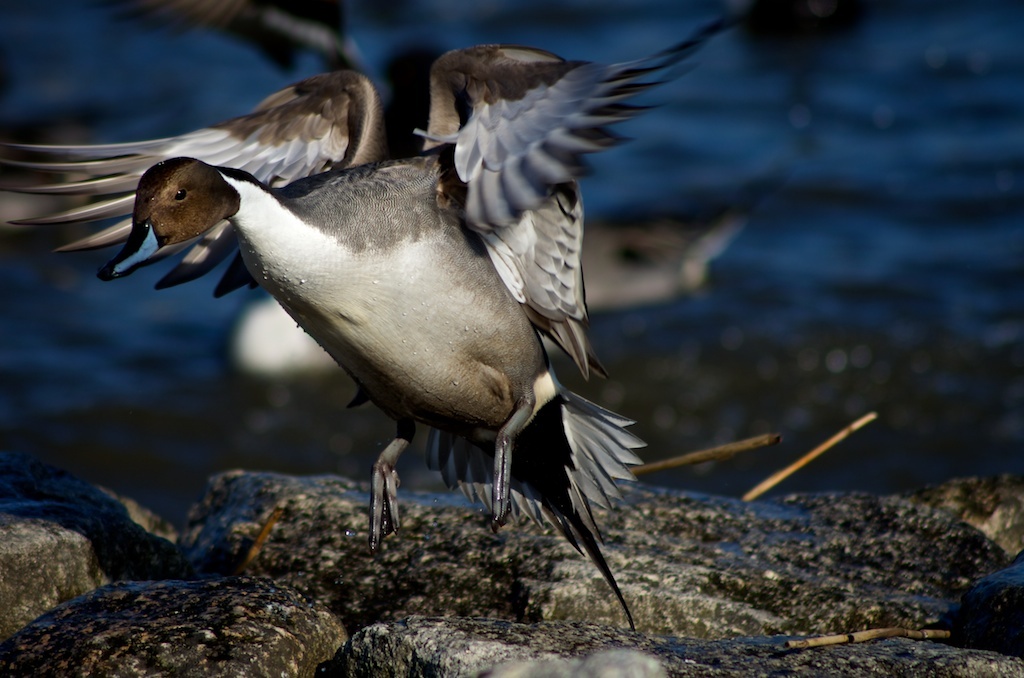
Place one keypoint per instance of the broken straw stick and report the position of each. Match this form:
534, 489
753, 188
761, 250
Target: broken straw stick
870, 634
711, 454
261, 539
779, 476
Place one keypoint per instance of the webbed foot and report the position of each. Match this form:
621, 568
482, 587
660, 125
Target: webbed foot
384, 486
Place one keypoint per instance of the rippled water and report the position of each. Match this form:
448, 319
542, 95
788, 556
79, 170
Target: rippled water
882, 272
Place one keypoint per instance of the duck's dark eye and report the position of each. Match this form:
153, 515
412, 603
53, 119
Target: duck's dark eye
180, 195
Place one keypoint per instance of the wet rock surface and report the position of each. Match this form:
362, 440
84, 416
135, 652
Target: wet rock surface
992, 614
225, 627
715, 584
449, 647
689, 565
993, 505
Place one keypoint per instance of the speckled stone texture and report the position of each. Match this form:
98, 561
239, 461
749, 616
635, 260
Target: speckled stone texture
992, 614
423, 646
225, 627
993, 505
713, 583
689, 565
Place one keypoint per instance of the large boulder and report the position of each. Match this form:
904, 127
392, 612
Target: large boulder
61, 537
689, 565
991, 616
715, 584
421, 646
223, 627
994, 505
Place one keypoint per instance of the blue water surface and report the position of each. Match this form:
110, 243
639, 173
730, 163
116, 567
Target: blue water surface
882, 270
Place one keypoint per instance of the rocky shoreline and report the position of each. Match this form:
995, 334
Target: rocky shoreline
91, 585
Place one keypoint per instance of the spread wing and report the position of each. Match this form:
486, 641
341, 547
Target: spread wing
328, 121
539, 260
518, 122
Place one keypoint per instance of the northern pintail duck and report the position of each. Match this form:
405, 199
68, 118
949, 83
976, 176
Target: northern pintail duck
430, 279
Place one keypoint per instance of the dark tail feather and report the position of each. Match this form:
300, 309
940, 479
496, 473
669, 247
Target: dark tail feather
566, 459
544, 459
586, 541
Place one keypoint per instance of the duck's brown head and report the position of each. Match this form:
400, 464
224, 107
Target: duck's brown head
176, 201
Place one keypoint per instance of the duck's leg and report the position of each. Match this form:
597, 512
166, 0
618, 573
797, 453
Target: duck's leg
501, 495
384, 485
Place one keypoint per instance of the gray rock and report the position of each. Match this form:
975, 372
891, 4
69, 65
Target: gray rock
991, 616
465, 647
689, 565
603, 664
61, 537
444, 562
993, 505
225, 627
703, 574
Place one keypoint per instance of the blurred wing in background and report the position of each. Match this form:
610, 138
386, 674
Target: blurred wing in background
279, 29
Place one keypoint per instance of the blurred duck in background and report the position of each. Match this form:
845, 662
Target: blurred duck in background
279, 29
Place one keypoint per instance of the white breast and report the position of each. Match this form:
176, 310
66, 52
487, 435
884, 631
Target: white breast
423, 323
386, 308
